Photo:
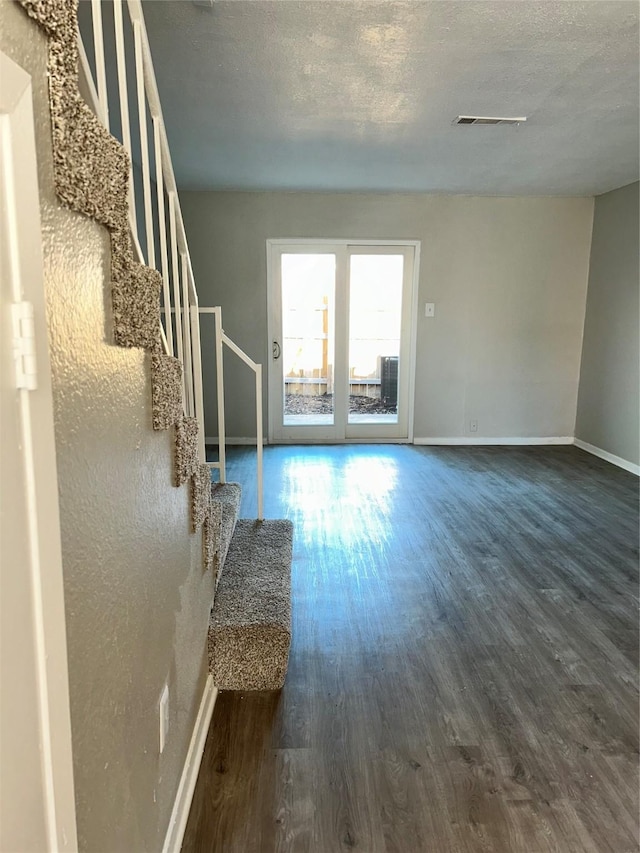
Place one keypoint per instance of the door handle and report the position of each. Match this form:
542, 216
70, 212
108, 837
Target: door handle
276, 350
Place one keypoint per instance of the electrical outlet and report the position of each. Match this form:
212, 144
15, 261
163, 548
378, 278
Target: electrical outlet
163, 707
473, 426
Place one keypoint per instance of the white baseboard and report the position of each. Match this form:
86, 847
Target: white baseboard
490, 441
233, 439
342, 441
608, 457
180, 813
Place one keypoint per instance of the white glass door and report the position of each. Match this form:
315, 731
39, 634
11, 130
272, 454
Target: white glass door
303, 365
340, 321
379, 322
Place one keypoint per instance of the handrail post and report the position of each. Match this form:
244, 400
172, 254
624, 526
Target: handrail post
259, 439
220, 392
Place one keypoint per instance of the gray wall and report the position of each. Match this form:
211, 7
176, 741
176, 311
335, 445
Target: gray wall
609, 378
508, 276
136, 598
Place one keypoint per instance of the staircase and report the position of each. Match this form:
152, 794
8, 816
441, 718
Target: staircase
155, 308
250, 623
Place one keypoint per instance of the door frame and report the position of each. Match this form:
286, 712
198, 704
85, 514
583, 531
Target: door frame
272, 246
41, 581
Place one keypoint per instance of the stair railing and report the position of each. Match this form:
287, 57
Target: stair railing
130, 109
223, 340
118, 82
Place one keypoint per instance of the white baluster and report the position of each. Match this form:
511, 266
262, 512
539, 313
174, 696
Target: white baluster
144, 144
186, 318
162, 227
176, 277
124, 104
98, 48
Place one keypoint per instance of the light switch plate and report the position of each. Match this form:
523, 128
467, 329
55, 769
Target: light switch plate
430, 309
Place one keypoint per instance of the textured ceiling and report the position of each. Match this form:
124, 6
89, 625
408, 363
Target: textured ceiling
342, 95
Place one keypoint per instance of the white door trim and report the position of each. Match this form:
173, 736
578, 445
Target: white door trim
272, 244
21, 203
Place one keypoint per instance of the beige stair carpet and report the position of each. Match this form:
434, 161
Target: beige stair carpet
250, 627
228, 496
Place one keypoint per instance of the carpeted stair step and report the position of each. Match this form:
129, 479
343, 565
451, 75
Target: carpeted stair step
250, 625
228, 495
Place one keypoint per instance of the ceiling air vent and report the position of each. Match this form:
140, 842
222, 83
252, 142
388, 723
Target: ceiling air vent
488, 120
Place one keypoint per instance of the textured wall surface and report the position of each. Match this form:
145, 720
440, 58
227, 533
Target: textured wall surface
136, 597
609, 381
508, 277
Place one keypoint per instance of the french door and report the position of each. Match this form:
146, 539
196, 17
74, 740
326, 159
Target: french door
341, 336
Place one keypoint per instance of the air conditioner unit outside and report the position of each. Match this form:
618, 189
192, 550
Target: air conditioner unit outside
389, 380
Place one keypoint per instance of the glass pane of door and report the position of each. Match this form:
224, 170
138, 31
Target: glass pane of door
308, 335
375, 319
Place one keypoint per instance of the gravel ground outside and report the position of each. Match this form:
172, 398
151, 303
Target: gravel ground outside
299, 404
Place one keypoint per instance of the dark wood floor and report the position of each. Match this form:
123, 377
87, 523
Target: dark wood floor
463, 674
